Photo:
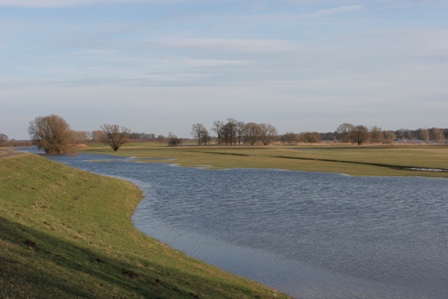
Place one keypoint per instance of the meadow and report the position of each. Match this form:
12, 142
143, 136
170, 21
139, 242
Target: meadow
67, 233
396, 160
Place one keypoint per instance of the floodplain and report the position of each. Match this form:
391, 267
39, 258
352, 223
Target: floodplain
396, 160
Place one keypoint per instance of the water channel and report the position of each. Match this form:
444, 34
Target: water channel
311, 235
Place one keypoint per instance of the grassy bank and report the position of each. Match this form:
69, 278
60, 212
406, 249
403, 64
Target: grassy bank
352, 160
66, 233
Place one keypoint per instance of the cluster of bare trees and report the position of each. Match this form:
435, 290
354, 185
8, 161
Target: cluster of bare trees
348, 133
97, 136
305, 137
142, 136
360, 134
235, 132
199, 132
5, 141
425, 134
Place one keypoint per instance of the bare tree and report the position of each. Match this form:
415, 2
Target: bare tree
200, 132
240, 131
410, 135
290, 137
81, 136
114, 136
406, 135
437, 135
3, 139
424, 134
360, 134
217, 128
343, 132
228, 131
97, 135
205, 136
310, 137
389, 136
252, 132
52, 134
267, 133
173, 140
376, 134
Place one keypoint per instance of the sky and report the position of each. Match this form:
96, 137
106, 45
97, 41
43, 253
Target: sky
159, 66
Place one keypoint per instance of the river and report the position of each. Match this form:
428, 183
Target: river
311, 235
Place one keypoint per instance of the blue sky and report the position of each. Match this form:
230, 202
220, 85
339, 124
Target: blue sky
159, 66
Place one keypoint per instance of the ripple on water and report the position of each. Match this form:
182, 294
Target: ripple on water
312, 235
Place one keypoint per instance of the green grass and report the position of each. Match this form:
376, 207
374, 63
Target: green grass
66, 233
352, 160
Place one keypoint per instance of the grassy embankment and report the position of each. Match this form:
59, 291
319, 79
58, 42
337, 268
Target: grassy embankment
352, 160
65, 233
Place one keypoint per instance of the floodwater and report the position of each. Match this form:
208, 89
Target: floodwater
311, 235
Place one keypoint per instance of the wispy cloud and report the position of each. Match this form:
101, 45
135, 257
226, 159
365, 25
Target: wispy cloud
239, 45
64, 3
335, 10
308, 15
214, 62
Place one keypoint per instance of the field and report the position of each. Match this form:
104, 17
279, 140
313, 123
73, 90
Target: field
65, 233
353, 160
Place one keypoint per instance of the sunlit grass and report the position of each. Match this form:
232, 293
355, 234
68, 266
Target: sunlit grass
327, 158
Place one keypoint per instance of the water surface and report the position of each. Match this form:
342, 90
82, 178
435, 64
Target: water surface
312, 235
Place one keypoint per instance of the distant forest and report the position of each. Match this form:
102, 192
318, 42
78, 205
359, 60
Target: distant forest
238, 132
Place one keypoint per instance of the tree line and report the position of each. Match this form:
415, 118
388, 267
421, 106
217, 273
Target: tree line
5, 141
53, 134
348, 133
237, 132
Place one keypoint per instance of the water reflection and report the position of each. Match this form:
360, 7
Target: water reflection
312, 235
